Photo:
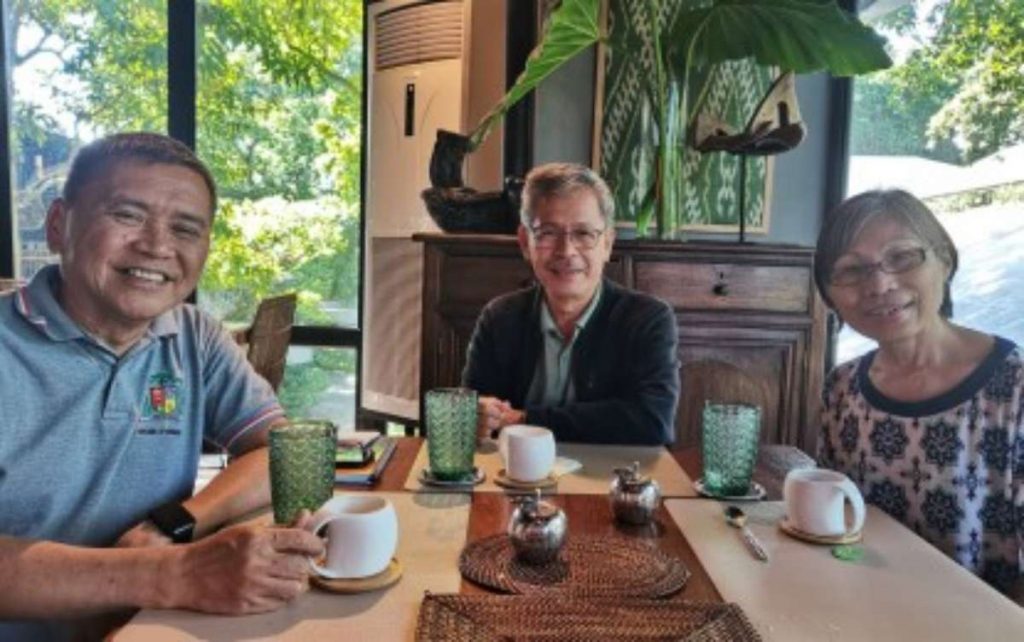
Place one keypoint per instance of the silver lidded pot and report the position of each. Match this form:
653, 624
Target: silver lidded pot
634, 497
537, 530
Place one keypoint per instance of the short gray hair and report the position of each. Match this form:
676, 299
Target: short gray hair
562, 179
849, 218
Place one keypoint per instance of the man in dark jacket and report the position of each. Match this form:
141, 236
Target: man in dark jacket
587, 358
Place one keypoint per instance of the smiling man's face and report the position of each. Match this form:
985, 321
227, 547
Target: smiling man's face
568, 270
132, 245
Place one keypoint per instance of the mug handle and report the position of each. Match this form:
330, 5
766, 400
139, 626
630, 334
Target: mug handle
319, 521
856, 499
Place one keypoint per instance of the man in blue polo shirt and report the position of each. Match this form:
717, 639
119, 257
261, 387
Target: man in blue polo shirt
108, 385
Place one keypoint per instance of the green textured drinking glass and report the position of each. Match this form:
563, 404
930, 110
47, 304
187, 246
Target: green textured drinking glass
301, 467
729, 447
451, 432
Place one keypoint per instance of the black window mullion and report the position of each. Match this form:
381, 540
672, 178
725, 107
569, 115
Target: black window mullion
325, 336
837, 164
7, 228
181, 71
181, 76
363, 245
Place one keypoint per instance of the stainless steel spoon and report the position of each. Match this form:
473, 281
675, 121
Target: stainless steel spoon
736, 517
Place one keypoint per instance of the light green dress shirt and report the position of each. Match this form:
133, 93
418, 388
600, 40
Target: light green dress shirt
552, 381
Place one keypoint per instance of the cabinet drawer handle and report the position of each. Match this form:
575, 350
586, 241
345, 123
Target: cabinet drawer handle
720, 289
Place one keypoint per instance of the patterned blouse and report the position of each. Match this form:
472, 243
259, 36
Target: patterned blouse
951, 468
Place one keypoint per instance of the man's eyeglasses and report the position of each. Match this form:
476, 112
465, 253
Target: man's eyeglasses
584, 238
893, 262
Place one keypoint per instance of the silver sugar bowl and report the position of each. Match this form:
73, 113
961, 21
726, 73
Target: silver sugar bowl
634, 497
537, 530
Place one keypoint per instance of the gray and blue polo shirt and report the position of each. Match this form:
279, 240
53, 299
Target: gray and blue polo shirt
89, 441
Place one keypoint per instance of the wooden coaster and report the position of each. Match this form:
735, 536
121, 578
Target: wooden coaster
503, 480
385, 578
831, 540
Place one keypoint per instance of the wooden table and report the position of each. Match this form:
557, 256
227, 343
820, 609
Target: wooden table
489, 513
590, 514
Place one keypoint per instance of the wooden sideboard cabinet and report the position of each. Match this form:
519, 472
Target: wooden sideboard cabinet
751, 325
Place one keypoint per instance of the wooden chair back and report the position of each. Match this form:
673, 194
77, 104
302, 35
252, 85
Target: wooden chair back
718, 382
269, 335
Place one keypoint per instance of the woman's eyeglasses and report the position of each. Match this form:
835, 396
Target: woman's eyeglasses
584, 238
893, 262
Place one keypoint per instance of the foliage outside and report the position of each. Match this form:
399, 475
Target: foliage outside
279, 116
958, 93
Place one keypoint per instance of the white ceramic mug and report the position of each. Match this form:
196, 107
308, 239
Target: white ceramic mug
361, 534
528, 452
816, 502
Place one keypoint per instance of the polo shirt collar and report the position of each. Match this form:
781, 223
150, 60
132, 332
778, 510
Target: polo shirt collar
37, 303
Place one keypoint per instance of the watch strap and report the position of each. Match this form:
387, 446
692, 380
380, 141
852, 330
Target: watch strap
173, 520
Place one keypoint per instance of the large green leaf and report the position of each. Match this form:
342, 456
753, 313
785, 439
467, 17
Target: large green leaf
797, 35
573, 27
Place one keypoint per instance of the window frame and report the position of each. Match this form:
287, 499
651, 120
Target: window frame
182, 53
8, 250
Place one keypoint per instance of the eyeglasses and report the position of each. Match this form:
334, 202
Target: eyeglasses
894, 262
583, 238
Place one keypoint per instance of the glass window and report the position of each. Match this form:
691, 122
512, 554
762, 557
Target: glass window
78, 71
945, 123
320, 382
278, 112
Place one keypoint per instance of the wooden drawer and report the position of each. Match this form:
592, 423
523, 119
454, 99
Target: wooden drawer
727, 286
477, 280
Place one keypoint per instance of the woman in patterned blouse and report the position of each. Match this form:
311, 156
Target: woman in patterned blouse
929, 425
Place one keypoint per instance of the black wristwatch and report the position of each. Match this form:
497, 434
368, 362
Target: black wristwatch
174, 521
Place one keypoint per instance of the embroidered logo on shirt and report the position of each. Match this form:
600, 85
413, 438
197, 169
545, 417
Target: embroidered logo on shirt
161, 397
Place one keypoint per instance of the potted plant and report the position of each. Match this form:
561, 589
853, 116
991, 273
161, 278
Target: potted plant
793, 35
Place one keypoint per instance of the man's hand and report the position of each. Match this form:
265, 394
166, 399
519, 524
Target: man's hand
243, 569
493, 414
141, 535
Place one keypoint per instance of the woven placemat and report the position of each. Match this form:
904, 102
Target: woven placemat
587, 566
486, 618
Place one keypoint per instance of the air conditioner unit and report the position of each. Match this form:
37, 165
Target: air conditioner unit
420, 81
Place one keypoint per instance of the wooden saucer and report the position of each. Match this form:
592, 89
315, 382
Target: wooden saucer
503, 480
351, 585
792, 531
